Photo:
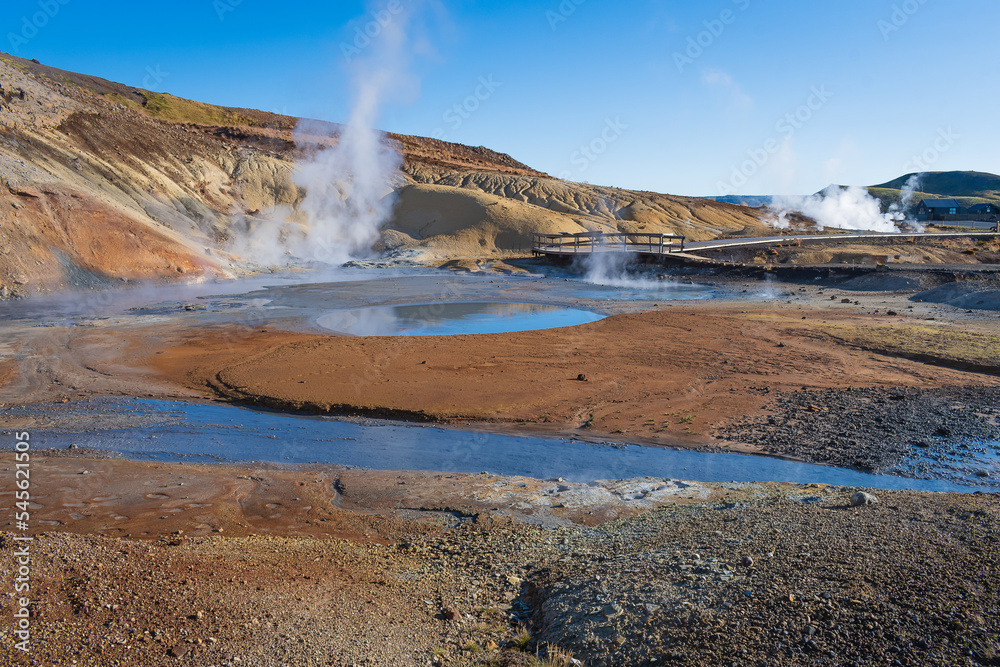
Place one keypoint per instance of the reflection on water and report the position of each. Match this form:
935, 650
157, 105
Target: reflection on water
439, 319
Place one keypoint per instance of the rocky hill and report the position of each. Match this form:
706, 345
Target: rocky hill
102, 183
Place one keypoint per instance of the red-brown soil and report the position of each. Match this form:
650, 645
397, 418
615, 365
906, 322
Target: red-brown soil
668, 376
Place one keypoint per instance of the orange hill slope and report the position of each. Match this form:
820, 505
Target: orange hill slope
102, 182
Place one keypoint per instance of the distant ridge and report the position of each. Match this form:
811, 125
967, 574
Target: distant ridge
968, 187
951, 184
745, 200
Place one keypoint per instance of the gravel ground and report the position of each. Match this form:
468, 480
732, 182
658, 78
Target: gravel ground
777, 577
903, 431
764, 574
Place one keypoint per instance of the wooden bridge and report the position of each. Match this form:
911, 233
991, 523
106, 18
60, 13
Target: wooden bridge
569, 245
591, 242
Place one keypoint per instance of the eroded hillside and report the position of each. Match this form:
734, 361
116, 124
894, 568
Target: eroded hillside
103, 183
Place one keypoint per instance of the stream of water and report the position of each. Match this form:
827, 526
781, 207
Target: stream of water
180, 431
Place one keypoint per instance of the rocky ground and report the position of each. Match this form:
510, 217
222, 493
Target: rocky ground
782, 577
873, 429
745, 574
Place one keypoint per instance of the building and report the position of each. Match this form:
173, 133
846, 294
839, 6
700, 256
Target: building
984, 209
938, 209
949, 210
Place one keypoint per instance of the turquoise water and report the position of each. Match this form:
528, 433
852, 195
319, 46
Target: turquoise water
442, 319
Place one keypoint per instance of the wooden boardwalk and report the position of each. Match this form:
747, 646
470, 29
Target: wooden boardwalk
561, 245
659, 245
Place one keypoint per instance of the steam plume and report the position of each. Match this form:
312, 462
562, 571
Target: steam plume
841, 208
911, 186
349, 179
900, 211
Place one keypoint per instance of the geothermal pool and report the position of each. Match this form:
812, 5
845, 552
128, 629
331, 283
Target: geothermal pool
443, 319
366, 301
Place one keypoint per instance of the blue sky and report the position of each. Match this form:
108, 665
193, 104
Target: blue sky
728, 96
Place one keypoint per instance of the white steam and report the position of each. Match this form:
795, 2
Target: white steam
906, 194
836, 207
349, 177
611, 269
349, 192
901, 211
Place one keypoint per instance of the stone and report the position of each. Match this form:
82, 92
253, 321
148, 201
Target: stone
747, 561
582, 377
452, 614
861, 498
612, 610
178, 651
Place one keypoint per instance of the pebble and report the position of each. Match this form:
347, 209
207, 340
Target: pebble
178, 651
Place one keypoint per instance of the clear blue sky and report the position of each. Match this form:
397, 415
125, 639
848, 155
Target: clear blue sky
874, 83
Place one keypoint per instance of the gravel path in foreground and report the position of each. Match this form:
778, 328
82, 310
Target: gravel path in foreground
764, 575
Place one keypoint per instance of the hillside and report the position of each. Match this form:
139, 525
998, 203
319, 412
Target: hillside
952, 184
102, 183
967, 187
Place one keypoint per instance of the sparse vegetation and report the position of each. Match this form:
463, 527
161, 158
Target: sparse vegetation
938, 345
15, 64
521, 639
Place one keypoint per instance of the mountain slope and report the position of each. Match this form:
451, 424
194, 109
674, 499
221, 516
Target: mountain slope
101, 182
951, 184
967, 187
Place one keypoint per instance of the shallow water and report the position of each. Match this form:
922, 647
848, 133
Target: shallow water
178, 431
968, 464
298, 300
440, 319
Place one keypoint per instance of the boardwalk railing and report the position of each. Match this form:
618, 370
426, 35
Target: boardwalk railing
588, 242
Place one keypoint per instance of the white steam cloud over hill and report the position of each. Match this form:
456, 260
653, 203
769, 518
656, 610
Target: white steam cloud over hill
840, 208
